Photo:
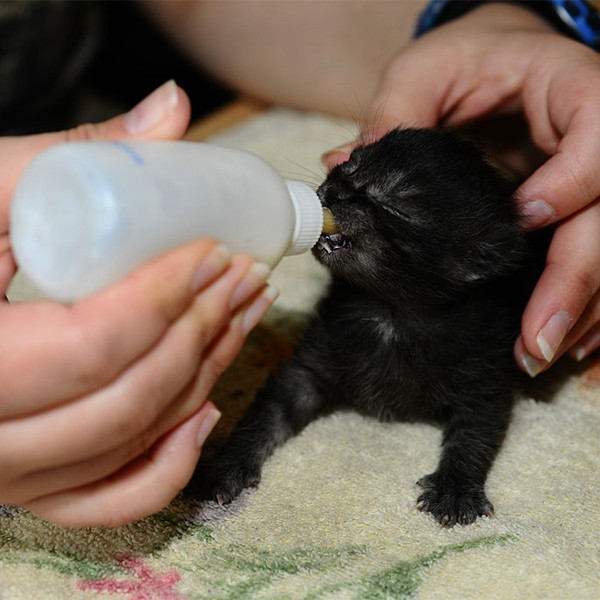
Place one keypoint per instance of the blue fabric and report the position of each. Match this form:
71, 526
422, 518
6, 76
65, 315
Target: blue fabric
577, 16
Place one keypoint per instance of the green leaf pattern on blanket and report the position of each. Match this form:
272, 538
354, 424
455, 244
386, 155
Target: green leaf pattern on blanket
256, 569
260, 569
233, 572
403, 579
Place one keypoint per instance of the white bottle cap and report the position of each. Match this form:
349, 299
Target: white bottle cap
309, 217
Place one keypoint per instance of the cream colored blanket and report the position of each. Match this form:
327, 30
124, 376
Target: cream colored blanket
334, 516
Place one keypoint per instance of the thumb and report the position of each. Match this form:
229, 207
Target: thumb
164, 114
411, 94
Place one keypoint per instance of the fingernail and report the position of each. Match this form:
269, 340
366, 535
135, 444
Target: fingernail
533, 366
153, 109
341, 149
209, 421
212, 265
254, 279
338, 155
553, 333
586, 345
578, 353
536, 213
257, 310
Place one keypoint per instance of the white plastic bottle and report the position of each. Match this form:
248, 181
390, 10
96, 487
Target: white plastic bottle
87, 213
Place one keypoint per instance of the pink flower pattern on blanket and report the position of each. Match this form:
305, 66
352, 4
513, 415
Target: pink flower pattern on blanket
145, 584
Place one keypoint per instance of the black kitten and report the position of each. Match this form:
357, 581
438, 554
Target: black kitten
430, 274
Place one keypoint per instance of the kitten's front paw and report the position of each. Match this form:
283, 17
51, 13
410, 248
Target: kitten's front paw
221, 480
450, 505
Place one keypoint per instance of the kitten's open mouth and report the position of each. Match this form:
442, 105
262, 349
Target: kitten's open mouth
333, 242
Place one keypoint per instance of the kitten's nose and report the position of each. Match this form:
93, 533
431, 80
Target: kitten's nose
331, 192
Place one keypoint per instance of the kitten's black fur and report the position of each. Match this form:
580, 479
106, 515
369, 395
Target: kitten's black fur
430, 274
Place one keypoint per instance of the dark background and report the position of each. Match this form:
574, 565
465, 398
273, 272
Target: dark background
64, 62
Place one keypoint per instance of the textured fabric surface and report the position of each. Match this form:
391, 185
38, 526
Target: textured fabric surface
334, 516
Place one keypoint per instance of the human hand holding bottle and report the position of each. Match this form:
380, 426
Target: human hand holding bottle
103, 408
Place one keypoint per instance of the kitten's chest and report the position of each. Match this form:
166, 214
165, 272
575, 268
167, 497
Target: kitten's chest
395, 364
385, 331
381, 366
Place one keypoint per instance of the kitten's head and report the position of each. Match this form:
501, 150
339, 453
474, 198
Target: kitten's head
421, 214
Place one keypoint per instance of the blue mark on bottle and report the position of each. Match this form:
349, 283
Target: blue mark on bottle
129, 151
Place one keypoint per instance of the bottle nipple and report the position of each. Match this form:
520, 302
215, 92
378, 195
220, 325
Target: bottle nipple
329, 225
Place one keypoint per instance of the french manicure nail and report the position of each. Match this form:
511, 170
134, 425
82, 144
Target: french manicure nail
533, 366
578, 353
212, 265
254, 279
536, 213
586, 345
153, 109
257, 310
553, 333
208, 424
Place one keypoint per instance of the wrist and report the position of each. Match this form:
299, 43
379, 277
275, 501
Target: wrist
577, 19
505, 16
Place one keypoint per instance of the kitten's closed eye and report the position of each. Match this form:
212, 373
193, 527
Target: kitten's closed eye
396, 211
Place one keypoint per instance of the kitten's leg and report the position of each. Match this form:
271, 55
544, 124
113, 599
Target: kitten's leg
288, 402
455, 492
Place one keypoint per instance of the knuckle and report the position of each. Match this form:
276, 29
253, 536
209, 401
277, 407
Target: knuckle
581, 180
132, 420
211, 370
94, 363
141, 445
214, 365
95, 368
219, 362
160, 286
585, 284
82, 133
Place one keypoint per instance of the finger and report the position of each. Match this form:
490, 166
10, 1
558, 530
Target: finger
398, 101
399, 98
410, 95
584, 337
217, 357
588, 343
119, 413
337, 156
221, 353
569, 281
7, 265
142, 488
164, 114
569, 180
81, 348
214, 361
